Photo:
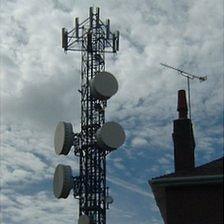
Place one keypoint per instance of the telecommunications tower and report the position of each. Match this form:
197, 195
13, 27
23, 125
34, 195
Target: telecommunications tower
96, 138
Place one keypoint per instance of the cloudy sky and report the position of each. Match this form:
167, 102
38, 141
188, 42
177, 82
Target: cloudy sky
39, 86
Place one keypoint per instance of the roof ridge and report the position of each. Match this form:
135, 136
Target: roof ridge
211, 168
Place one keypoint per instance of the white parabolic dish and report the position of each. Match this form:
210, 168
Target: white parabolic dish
84, 219
110, 136
63, 181
103, 86
63, 138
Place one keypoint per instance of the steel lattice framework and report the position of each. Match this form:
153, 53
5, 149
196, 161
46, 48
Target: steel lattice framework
93, 38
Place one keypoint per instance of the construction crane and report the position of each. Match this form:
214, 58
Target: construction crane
188, 76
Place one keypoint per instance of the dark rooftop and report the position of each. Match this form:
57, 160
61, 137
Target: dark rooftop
212, 168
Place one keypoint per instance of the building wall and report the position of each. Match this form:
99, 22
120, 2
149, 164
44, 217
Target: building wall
201, 204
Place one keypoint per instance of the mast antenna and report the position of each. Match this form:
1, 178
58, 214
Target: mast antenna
96, 138
188, 76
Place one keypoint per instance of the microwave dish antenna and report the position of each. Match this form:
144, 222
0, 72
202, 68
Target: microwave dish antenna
63, 181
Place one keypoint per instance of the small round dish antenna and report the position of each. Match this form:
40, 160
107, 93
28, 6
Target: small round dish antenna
103, 86
63, 138
84, 219
109, 200
63, 181
110, 136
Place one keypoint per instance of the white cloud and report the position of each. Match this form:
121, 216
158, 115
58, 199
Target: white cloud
39, 87
129, 186
139, 142
164, 161
38, 208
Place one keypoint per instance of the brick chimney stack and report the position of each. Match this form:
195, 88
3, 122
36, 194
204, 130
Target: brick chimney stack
182, 104
183, 137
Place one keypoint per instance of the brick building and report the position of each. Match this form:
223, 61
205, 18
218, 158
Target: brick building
190, 195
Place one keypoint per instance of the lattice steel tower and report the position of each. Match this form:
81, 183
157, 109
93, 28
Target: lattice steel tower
96, 139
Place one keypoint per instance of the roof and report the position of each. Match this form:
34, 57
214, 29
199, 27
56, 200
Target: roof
209, 173
186, 181
214, 167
